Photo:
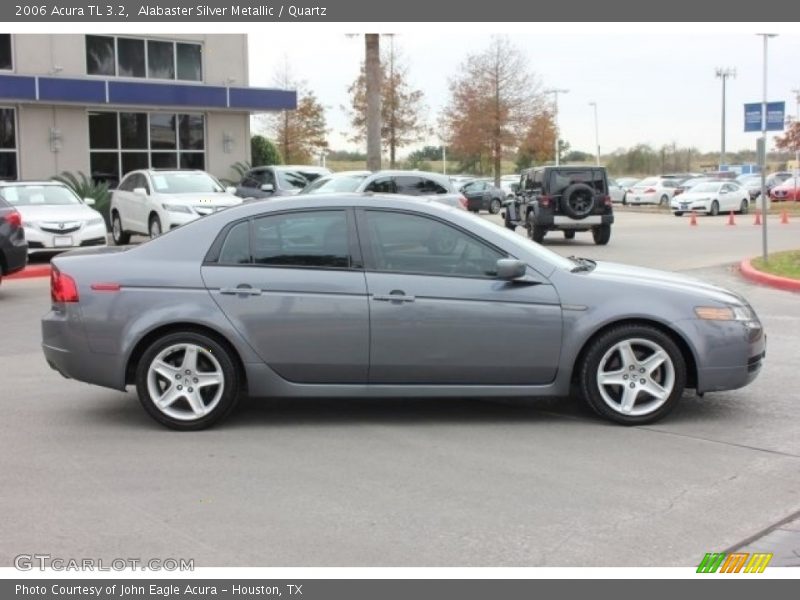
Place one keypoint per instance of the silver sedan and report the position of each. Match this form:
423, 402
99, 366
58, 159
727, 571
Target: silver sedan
354, 296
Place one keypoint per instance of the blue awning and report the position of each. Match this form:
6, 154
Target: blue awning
49, 90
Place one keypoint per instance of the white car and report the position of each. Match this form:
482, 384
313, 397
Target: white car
151, 201
652, 190
616, 191
712, 198
55, 219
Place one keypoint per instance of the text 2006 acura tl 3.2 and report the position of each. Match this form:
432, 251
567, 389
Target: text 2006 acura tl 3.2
376, 296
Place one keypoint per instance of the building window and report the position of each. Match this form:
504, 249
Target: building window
8, 144
136, 57
126, 141
6, 62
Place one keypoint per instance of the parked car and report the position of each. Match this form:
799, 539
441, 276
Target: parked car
569, 199
348, 296
690, 183
13, 248
459, 180
55, 219
712, 198
627, 182
414, 183
152, 201
310, 172
268, 182
789, 190
343, 181
653, 190
481, 194
617, 191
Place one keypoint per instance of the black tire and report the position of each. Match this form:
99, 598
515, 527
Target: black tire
510, 225
601, 234
231, 386
494, 206
714, 209
118, 235
664, 200
678, 213
537, 233
625, 200
744, 207
578, 200
600, 354
153, 225
569, 234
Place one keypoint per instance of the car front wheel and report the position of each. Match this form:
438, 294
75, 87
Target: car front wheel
155, 226
714, 210
601, 235
494, 206
118, 234
633, 374
187, 381
744, 207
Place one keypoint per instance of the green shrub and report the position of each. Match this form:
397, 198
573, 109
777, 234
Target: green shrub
86, 187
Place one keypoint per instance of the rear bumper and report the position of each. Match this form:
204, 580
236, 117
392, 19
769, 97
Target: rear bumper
551, 221
16, 258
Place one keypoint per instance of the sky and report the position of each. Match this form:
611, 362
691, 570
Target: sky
653, 83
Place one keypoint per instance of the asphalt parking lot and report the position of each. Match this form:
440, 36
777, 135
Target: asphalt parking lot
411, 483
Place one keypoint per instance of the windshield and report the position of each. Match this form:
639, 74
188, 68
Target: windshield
184, 182
34, 195
706, 187
290, 179
326, 185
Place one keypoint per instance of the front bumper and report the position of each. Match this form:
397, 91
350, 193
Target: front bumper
49, 242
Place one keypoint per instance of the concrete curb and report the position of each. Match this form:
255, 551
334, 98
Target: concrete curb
30, 272
782, 283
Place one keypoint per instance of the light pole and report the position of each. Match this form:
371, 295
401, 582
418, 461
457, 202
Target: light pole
796, 170
763, 157
555, 93
596, 132
724, 74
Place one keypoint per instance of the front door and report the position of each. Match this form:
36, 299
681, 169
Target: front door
440, 316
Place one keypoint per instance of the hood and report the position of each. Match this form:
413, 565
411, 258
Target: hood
210, 199
57, 212
663, 280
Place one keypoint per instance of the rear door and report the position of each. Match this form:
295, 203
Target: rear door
439, 315
293, 285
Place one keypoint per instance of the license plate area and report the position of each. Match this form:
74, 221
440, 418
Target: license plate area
62, 241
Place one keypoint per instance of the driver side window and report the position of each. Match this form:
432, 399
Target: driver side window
405, 243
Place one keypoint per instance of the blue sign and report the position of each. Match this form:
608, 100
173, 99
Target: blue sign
776, 116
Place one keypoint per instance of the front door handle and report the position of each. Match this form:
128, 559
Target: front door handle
244, 290
393, 296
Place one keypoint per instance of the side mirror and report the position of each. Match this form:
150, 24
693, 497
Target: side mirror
267, 187
89, 201
230, 189
509, 269
140, 191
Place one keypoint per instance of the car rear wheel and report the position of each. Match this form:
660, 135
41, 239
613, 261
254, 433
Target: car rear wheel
537, 233
714, 211
154, 227
494, 206
633, 374
744, 207
601, 235
569, 234
118, 234
187, 381
664, 200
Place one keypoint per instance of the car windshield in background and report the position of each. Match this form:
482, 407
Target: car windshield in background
649, 181
328, 185
706, 187
34, 195
290, 179
181, 182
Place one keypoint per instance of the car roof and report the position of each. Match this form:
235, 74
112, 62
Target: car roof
32, 182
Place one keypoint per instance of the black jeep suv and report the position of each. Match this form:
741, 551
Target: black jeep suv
569, 199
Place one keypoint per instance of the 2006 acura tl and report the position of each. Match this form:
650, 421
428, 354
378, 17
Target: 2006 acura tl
368, 296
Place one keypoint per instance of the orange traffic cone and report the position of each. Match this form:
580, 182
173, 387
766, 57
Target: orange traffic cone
693, 220
758, 218
784, 218
731, 219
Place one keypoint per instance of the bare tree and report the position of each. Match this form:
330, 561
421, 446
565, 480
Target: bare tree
373, 75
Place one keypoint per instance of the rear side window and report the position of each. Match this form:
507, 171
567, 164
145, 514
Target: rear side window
236, 247
304, 239
383, 185
561, 180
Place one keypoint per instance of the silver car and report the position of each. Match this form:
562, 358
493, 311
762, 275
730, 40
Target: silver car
364, 296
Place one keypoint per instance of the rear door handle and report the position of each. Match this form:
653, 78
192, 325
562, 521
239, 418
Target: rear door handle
242, 290
392, 298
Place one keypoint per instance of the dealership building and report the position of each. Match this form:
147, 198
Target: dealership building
107, 104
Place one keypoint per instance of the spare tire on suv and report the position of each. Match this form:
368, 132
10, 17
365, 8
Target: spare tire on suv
578, 200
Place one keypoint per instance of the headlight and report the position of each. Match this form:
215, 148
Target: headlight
726, 313
179, 208
98, 221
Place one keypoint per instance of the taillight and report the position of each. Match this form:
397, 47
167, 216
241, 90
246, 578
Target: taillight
607, 200
649, 191
544, 201
14, 219
62, 287
463, 202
